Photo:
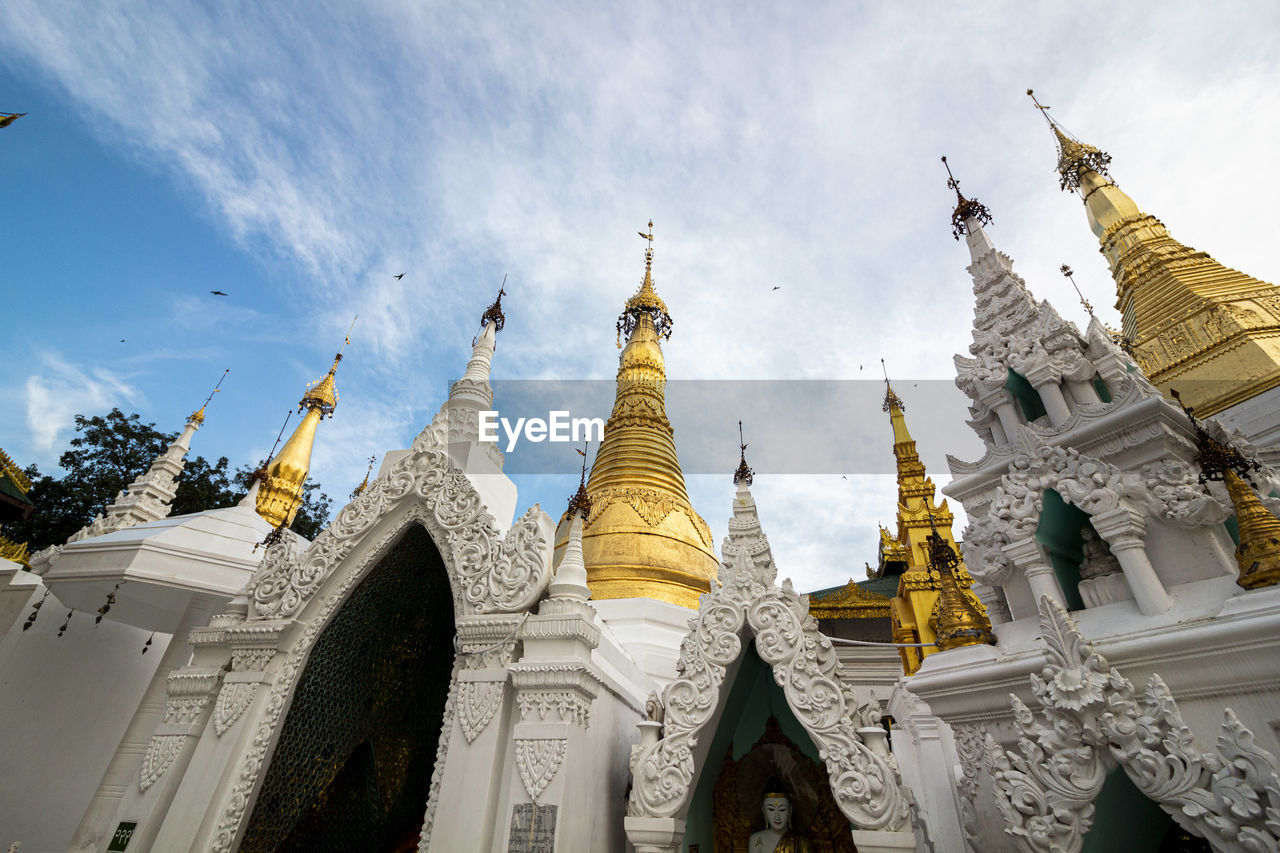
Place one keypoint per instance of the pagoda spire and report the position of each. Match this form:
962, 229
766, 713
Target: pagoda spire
1258, 554
643, 538
281, 482
1186, 317
148, 498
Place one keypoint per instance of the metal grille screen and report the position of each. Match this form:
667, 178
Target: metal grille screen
353, 764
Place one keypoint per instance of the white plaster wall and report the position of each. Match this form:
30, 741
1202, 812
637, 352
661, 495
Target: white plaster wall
64, 703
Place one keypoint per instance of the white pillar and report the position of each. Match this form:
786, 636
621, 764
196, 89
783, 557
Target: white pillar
1028, 556
1050, 391
1083, 392
1123, 529
99, 821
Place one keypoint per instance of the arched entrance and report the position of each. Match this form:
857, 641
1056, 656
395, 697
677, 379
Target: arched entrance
354, 760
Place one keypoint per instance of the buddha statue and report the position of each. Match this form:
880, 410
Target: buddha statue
778, 836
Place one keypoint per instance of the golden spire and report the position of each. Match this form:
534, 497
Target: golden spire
920, 520
1185, 317
1258, 554
958, 617
281, 489
642, 537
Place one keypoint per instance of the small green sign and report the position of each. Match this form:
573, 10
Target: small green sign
124, 832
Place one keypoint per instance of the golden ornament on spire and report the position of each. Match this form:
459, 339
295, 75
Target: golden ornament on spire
958, 617
1258, 554
364, 484
744, 474
966, 208
645, 301
1074, 157
198, 415
642, 537
281, 490
7, 119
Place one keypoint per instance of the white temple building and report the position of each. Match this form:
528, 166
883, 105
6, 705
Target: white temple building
444, 670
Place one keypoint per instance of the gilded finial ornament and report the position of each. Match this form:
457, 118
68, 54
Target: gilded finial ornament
645, 301
581, 501
966, 208
359, 490
744, 474
1069, 275
958, 618
890, 399
7, 119
1258, 554
1074, 156
198, 414
493, 314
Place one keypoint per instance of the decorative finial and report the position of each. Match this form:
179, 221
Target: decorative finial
359, 490
1214, 457
966, 209
645, 301
1067, 273
493, 314
1073, 155
958, 619
323, 395
581, 501
198, 414
891, 399
744, 474
7, 119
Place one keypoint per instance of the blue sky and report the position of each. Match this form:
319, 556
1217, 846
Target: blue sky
297, 155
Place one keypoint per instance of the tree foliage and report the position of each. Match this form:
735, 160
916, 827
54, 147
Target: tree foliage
105, 456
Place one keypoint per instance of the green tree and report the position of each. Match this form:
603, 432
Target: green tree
107, 453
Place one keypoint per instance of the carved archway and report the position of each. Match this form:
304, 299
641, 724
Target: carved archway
353, 762
749, 605
487, 574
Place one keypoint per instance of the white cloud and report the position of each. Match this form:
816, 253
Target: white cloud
456, 143
58, 391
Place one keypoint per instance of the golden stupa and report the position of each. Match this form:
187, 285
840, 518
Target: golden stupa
642, 538
1211, 331
280, 490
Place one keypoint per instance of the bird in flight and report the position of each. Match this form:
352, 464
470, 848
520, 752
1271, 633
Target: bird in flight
7, 119
217, 293
122, 340
398, 277
776, 287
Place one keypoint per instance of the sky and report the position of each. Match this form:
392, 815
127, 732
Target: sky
298, 155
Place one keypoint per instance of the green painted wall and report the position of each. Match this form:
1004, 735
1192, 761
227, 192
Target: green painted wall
1125, 820
1028, 397
753, 697
1059, 533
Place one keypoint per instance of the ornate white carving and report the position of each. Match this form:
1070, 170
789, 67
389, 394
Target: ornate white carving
478, 701
1177, 495
971, 749
1230, 797
538, 759
488, 573
233, 699
984, 554
804, 665
442, 757
161, 752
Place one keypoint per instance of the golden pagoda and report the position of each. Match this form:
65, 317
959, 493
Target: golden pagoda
281, 482
14, 506
1210, 330
919, 518
642, 537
